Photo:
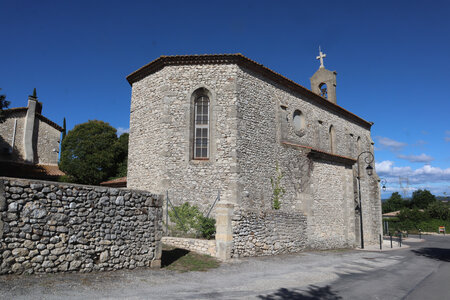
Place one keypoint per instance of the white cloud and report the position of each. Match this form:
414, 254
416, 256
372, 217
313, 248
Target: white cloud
425, 174
416, 158
121, 130
447, 136
390, 143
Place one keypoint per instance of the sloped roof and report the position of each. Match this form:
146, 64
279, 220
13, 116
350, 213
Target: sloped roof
243, 61
29, 171
39, 116
118, 182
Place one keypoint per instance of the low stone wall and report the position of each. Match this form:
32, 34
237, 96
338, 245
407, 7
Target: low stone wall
196, 245
271, 232
56, 227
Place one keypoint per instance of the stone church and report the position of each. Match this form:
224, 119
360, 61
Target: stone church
203, 124
29, 143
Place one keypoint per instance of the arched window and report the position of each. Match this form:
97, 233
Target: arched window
201, 127
332, 139
323, 90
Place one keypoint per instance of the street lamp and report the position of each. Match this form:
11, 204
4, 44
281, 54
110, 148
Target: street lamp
369, 169
383, 184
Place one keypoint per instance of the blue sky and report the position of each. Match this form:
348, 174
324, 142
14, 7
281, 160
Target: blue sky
392, 59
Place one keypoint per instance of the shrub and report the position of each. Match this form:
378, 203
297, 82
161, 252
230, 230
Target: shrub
190, 221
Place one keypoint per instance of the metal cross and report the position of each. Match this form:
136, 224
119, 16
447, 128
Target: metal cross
321, 57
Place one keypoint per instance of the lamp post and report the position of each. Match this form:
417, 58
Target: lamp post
369, 169
383, 184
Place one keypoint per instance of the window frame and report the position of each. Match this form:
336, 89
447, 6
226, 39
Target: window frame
200, 126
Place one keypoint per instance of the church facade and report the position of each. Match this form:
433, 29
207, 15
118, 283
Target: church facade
207, 123
29, 143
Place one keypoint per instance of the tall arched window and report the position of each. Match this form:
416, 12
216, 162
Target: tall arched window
332, 139
201, 127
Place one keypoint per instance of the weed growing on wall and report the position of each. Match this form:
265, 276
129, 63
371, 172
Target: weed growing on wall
278, 190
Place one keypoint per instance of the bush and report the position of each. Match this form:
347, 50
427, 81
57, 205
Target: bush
438, 210
190, 221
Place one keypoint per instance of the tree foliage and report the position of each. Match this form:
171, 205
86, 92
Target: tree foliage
422, 198
122, 158
438, 210
90, 153
3, 105
394, 203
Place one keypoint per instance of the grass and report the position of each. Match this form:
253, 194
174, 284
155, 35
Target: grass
182, 260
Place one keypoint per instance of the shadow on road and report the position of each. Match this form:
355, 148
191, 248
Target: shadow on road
313, 292
434, 253
170, 256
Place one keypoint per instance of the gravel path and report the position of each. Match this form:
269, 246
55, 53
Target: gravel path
311, 275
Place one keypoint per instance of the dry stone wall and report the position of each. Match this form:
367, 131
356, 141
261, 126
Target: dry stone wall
257, 233
57, 227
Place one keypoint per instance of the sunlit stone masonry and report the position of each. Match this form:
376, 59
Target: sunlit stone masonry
48, 227
201, 124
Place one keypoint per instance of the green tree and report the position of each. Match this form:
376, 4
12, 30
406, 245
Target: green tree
89, 153
3, 105
422, 198
122, 155
394, 203
64, 133
438, 210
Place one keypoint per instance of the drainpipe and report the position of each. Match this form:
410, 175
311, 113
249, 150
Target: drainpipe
13, 140
28, 130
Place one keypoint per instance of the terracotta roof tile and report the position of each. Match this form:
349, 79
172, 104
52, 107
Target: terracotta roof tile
30, 171
118, 182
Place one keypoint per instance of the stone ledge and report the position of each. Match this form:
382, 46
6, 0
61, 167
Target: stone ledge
207, 247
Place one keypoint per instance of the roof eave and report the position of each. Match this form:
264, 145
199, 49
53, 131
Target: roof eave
241, 60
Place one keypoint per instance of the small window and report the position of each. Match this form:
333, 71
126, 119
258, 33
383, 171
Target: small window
298, 120
201, 127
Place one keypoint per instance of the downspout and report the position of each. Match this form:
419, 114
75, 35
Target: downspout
28, 130
13, 137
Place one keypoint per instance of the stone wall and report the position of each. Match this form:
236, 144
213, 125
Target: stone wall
160, 123
207, 247
6, 135
47, 143
56, 227
271, 232
324, 192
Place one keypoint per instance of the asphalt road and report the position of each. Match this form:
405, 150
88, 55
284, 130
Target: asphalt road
419, 272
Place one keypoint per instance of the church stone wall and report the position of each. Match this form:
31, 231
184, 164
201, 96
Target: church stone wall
6, 134
160, 127
47, 143
265, 112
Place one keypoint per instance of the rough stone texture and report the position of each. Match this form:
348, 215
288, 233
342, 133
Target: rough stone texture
252, 131
6, 135
42, 139
47, 141
270, 232
57, 227
207, 247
